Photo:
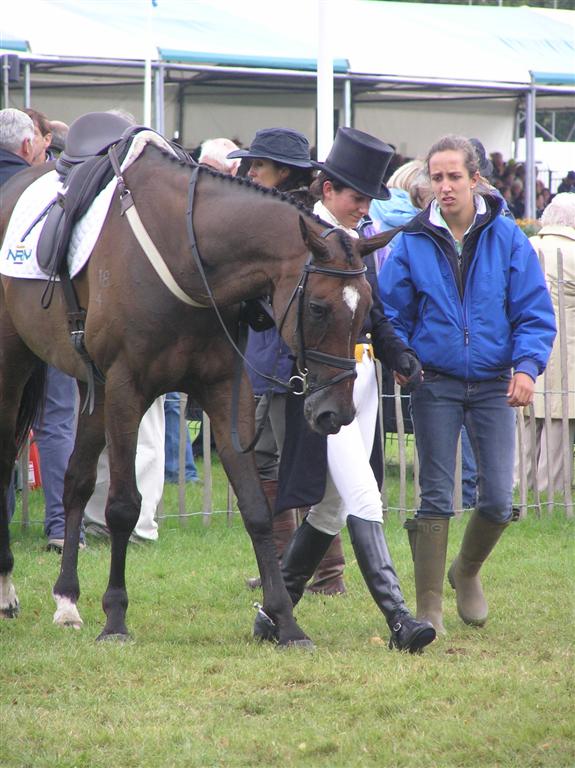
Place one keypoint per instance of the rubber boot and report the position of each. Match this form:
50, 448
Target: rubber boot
428, 542
300, 560
328, 579
480, 536
376, 565
283, 526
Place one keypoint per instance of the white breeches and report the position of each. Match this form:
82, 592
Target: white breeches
351, 487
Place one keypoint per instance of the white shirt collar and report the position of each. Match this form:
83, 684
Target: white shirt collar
320, 210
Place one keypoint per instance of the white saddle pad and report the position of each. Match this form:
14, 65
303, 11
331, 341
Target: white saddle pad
18, 254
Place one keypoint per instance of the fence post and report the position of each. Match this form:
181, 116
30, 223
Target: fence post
567, 447
401, 452
547, 427
522, 467
182, 433
24, 470
533, 452
207, 448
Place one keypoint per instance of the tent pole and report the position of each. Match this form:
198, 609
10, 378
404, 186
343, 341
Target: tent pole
325, 121
530, 153
347, 115
159, 119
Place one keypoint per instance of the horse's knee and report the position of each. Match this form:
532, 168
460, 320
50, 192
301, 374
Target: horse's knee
122, 513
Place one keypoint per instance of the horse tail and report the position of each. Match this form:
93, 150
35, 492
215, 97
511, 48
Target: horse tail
31, 403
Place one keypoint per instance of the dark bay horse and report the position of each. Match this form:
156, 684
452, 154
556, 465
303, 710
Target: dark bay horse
252, 242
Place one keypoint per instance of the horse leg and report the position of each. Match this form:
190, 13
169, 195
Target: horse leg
21, 386
242, 473
124, 410
79, 483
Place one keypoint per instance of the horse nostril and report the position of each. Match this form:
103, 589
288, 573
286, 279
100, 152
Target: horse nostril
328, 423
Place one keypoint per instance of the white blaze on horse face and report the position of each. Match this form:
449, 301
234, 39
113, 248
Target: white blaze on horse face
351, 298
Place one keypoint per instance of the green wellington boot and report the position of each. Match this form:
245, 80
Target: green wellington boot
428, 541
480, 537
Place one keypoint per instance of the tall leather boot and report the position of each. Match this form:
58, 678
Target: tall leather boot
428, 542
283, 526
328, 579
300, 560
376, 565
480, 537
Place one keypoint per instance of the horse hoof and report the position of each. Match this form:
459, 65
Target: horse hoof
117, 637
10, 611
9, 605
305, 644
66, 614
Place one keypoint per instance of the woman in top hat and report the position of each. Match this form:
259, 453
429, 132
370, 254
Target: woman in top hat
280, 158
347, 491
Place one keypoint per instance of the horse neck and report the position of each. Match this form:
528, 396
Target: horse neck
253, 238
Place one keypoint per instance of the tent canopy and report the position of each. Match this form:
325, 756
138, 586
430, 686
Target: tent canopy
458, 43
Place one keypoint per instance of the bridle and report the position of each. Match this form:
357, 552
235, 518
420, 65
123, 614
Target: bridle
297, 384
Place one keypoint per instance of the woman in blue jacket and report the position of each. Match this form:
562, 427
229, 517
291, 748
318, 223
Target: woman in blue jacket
463, 287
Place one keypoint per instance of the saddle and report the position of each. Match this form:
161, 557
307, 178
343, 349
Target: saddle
84, 170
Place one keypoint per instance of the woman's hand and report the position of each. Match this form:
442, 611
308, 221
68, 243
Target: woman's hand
521, 390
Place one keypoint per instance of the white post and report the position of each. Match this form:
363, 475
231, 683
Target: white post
324, 83
148, 85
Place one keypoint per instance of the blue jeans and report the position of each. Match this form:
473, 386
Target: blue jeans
468, 472
441, 406
172, 413
55, 432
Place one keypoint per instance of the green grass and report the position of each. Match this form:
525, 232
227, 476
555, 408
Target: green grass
193, 690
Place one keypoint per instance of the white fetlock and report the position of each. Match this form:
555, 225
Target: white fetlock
9, 604
66, 614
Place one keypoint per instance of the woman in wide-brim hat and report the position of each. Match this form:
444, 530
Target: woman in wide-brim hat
280, 158
334, 474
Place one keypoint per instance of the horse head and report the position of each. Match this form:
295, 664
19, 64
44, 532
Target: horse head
326, 314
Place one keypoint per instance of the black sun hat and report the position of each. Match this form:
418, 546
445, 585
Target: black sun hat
359, 161
282, 145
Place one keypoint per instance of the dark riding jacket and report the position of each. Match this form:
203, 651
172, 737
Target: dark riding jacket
303, 466
10, 164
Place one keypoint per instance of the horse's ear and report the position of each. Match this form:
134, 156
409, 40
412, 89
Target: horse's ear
369, 244
316, 244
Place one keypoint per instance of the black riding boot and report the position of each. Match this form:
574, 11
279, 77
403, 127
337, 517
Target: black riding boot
375, 563
300, 559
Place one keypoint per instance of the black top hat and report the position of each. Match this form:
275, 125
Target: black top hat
359, 161
485, 165
282, 145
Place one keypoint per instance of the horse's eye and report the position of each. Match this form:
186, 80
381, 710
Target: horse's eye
317, 311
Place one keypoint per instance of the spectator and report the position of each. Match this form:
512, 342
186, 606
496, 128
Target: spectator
42, 136
59, 132
568, 183
279, 158
558, 231
214, 152
172, 444
55, 426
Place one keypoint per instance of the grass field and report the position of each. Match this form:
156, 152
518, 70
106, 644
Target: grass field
193, 690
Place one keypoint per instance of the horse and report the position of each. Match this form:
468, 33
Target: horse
147, 340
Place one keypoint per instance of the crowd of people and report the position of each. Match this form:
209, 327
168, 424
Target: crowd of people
461, 318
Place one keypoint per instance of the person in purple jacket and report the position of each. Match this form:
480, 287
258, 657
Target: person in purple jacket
463, 287
280, 158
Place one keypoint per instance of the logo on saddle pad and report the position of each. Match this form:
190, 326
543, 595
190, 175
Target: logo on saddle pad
19, 255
